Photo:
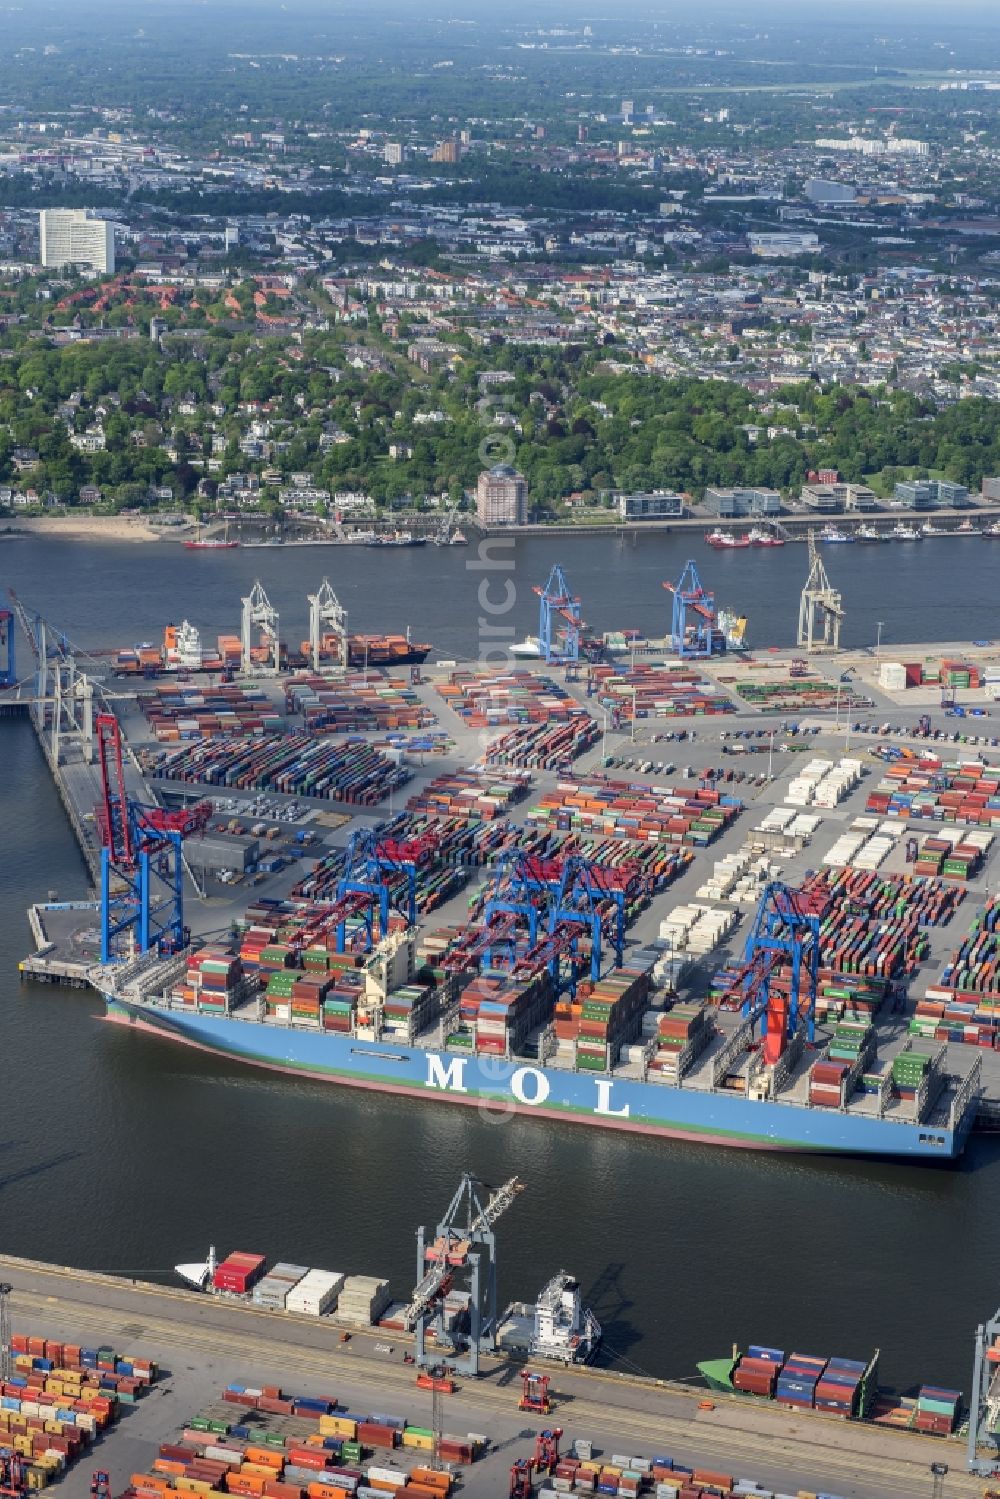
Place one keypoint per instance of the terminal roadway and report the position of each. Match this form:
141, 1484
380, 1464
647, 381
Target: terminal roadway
205, 1342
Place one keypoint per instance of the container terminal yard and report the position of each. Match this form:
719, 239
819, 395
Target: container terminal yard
833, 942
201, 1346
754, 885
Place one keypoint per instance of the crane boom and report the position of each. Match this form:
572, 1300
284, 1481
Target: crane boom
440, 1273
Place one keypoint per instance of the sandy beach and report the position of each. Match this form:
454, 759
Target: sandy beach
81, 527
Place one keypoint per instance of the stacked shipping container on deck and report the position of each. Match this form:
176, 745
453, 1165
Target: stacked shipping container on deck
604, 1017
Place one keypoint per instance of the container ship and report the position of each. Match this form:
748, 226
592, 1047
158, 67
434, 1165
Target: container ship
839, 1386
370, 1026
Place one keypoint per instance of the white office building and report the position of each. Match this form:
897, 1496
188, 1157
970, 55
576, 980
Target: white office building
72, 236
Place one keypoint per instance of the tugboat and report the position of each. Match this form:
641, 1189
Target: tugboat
762, 538
832, 536
902, 532
869, 533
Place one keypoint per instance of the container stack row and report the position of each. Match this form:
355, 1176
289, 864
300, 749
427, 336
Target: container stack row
544, 746
179, 711
481, 794
642, 812
966, 793
657, 692
823, 784
259, 1443
58, 1400
296, 764
698, 929
953, 855
435, 881
964, 1005
875, 925
487, 699
787, 695
358, 703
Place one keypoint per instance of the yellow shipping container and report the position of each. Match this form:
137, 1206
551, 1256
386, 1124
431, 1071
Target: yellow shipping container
192, 1485
338, 1426
54, 1428
22, 1444
37, 1477
417, 1441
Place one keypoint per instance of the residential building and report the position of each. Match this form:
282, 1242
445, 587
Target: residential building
393, 153
502, 497
447, 153
655, 505
72, 236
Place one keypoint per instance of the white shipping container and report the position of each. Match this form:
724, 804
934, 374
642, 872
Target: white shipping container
316, 1293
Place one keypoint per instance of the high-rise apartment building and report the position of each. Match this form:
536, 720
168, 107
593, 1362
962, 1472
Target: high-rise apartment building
502, 497
72, 236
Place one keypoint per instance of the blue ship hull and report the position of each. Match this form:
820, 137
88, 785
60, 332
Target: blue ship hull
497, 1086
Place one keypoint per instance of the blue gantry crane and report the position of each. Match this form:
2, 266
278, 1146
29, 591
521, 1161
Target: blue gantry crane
785, 933
142, 875
370, 862
694, 632
558, 616
539, 909
8, 654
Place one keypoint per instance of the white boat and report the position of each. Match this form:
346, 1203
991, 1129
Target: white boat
930, 529
869, 533
201, 1272
902, 532
966, 529
529, 649
833, 536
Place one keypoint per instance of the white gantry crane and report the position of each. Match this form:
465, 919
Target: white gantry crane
327, 616
259, 613
821, 609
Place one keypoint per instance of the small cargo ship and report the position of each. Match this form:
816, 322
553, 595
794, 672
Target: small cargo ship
843, 1387
398, 539
386, 650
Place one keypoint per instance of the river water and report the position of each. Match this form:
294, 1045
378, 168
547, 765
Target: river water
122, 1153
